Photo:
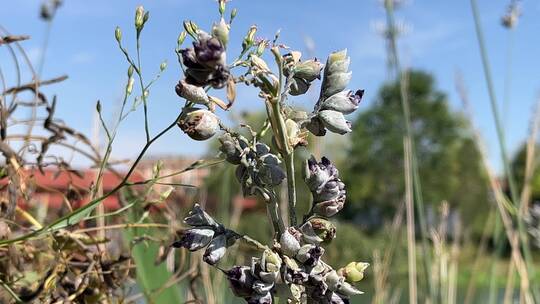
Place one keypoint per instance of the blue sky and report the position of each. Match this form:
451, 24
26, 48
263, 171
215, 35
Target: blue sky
441, 40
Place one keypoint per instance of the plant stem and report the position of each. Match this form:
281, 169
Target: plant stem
143, 91
502, 145
273, 210
408, 134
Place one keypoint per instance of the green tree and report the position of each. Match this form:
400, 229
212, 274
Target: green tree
448, 162
518, 167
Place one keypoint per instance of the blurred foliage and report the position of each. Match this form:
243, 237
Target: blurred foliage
518, 166
449, 164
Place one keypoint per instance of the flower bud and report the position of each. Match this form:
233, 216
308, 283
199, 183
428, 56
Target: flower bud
335, 83
191, 92
329, 208
308, 70
195, 239
234, 12
259, 63
199, 124
261, 47
250, 38
221, 31
317, 230
181, 38
309, 255
353, 272
163, 66
130, 71
295, 136
315, 126
241, 281
198, 217
299, 86
139, 18
221, 6
335, 121
216, 250
289, 243
344, 101
191, 28
129, 86
118, 34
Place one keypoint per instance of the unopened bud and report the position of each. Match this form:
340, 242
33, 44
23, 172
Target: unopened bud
129, 86
139, 18
130, 71
354, 271
163, 66
221, 8
181, 38
118, 34
250, 37
233, 14
308, 70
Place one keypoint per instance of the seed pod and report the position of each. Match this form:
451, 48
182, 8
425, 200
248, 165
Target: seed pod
335, 121
199, 124
191, 92
344, 101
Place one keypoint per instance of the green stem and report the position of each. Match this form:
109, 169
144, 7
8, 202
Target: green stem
143, 91
291, 187
502, 146
273, 210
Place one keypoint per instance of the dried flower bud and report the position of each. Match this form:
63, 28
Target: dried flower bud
191, 92
295, 136
259, 63
118, 34
199, 124
209, 50
221, 31
289, 243
327, 189
344, 101
354, 271
241, 280
198, 217
139, 18
335, 121
318, 231
309, 255
299, 86
316, 126
308, 70
216, 250
195, 239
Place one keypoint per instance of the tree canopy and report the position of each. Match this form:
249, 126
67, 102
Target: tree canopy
448, 161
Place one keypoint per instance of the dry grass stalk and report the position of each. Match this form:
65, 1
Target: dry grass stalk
411, 239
